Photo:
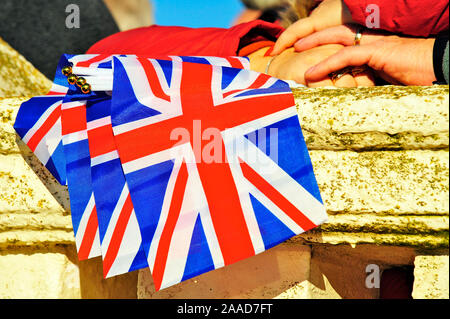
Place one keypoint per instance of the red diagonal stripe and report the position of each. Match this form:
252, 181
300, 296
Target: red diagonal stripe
260, 81
88, 236
117, 236
169, 227
276, 197
95, 59
235, 63
45, 127
153, 79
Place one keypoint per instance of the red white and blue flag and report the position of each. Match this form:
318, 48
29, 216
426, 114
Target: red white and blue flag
38, 123
194, 163
215, 162
120, 236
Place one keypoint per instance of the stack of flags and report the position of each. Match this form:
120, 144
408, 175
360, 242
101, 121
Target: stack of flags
180, 164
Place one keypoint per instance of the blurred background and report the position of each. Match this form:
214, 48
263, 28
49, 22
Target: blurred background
42, 30
197, 13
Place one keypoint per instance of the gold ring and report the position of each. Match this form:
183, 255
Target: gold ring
358, 36
353, 70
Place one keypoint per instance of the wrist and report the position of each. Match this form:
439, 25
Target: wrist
259, 60
279, 60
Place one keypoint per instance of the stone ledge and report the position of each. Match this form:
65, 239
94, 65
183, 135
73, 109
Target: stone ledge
380, 156
347, 119
431, 277
368, 200
18, 77
418, 241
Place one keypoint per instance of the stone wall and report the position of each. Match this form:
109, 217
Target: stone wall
381, 160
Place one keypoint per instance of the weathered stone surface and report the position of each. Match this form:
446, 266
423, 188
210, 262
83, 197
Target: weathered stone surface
266, 275
383, 182
53, 271
17, 76
431, 277
388, 117
41, 274
367, 197
8, 112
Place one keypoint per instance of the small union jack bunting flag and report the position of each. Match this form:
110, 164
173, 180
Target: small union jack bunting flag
120, 236
38, 123
215, 163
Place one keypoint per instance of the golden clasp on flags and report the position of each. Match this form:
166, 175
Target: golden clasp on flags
74, 79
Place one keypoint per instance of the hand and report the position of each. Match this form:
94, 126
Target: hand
398, 60
290, 65
329, 13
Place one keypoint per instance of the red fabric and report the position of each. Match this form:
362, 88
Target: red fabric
159, 40
411, 17
255, 46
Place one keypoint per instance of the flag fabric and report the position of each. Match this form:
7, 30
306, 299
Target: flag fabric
79, 182
103, 225
180, 164
77, 153
38, 123
120, 236
205, 194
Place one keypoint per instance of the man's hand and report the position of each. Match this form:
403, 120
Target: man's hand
329, 13
398, 60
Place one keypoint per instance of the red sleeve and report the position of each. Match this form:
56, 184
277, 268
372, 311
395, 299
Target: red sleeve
411, 17
160, 41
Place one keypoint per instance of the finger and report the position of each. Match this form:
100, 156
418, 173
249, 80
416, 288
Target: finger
365, 79
320, 83
345, 81
296, 31
348, 56
344, 35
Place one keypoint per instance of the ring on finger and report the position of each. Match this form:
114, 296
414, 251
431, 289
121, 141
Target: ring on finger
358, 36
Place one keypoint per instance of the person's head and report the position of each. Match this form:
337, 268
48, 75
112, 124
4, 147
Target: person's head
285, 12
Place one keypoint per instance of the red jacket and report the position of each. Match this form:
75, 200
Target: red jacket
420, 18
160, 41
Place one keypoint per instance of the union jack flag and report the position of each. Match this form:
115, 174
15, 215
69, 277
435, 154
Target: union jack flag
207, 191
120, 236
104, 222
174, 210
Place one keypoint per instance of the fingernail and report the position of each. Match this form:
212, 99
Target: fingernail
299, 41
310, 70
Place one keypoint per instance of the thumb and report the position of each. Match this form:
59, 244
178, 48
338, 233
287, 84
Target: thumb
298, 30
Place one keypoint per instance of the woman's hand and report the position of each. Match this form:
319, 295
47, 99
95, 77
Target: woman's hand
329, 13
398, 60
291, 65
